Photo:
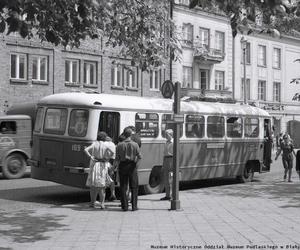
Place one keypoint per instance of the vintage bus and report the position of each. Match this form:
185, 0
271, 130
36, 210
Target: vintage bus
217, 139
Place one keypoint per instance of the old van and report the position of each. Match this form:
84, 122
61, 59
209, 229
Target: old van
15, 144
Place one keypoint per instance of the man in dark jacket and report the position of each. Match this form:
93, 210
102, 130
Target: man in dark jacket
127, 155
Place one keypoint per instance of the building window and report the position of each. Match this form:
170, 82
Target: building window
204, 78
248, 88
262, 56
276, 91
18, 66
117, 75
71, 71
39, 68
89, 73
131, 78
219, 80
155, 79
204, 38
187, 81
276, 58
220, 41
187, 34
261, 90
248, 54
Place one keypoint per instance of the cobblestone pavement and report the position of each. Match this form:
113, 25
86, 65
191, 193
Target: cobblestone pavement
263, 214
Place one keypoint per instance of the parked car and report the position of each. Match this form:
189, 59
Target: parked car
15, 144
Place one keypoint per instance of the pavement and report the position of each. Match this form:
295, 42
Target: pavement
263, 214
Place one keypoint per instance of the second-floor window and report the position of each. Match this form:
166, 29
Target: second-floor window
71, 71
220, 41
219, 80
39, 68
262, 55
261, 90
247, 54
276, 58
116, 75
204, 38
89, 73
187, 34
131, 76
276, 91
155, 79
187, 81
18, 66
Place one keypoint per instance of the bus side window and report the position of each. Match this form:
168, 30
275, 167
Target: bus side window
194, 126
8, 127
234, 127
215, 126
251, 127
146, 124
167, 123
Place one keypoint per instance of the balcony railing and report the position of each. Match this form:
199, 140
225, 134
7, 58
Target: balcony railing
205, 54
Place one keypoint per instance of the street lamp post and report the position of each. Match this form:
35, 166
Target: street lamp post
244, 47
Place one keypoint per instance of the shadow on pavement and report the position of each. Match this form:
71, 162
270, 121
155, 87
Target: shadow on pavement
271, 190
24, 227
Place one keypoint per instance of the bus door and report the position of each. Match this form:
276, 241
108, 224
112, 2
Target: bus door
267, 151
110, 123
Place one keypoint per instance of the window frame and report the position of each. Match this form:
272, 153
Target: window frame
117, 76
262, 55
215, 123
87, 73
187, 76
165, 122
202, 39
217, 39
262, 96
198, 123
277, 96
69, 79
17, 66
71, 130
237, 134
276, 62
38, 68
153, 74
219, 86
246, 126
188, 34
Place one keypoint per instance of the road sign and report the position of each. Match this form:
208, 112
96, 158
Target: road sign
167, 89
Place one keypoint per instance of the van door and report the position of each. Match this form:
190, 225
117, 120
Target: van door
268, 140
110, 123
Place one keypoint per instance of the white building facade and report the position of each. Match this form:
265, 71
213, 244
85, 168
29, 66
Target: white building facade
212, 61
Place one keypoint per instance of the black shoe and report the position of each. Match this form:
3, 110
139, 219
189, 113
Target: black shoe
166, 198
125, 209
112, 198
135, 209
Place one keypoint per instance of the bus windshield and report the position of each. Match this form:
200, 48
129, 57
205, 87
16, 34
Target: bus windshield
55, 121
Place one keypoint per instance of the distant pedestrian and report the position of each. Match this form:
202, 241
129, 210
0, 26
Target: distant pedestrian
287, 149
127, 155
98, 179
168, 164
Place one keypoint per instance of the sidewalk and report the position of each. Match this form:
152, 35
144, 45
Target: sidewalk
263, 214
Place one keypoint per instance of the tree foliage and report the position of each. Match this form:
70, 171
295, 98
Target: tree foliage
139, 28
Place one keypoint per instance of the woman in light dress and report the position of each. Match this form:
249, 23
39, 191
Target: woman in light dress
98, 179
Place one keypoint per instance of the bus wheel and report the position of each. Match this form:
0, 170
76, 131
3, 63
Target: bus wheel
248, 174
155, 185
14, 166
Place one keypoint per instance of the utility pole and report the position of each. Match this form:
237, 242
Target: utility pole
244, 47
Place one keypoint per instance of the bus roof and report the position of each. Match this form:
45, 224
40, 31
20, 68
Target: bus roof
123, 102
15, 117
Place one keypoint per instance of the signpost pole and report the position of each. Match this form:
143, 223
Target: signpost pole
175, 203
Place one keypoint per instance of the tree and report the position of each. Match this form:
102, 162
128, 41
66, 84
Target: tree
139, 28
277, 15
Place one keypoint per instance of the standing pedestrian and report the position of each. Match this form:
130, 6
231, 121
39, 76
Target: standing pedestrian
98, 179
287, 149
168, 164
112, 170
127, 155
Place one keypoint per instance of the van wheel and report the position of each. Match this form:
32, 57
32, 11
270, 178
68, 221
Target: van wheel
248, 174
155, 185
14, 166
